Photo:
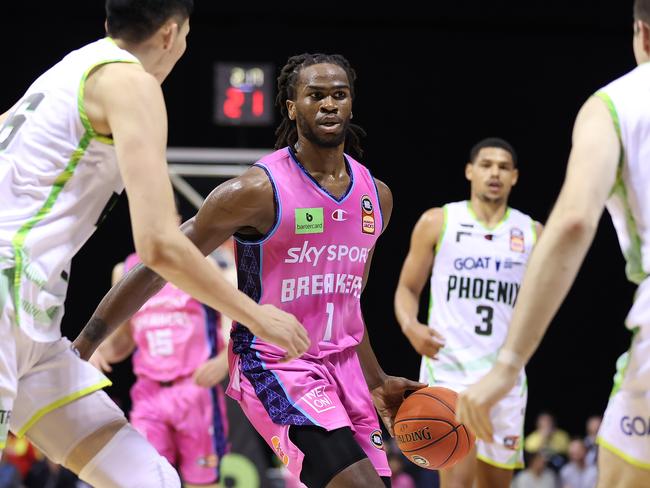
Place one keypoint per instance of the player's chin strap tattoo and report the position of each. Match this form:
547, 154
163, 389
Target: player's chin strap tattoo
117, 306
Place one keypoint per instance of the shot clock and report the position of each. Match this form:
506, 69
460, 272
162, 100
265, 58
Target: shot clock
244, 94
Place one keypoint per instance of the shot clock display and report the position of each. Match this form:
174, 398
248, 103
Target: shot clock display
244, 94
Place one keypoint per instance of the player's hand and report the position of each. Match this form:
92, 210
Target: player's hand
474, 404
282, 329
211, 372
100, 362
425, 340
388, 397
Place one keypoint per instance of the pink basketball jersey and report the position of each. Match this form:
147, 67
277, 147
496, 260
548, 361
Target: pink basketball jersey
173, 332
311, 263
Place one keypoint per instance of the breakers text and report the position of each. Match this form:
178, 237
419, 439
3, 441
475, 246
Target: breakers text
321, 284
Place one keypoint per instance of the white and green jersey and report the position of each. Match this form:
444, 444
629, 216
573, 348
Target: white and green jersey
628, 99
475, 281
57, 176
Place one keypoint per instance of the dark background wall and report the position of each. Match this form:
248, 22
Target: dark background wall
430, 85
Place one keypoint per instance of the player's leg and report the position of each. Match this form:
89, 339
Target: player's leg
91, 437
59, 408
355, 397
462, 474
613, 470
300, 398
488, 476
333, 458
199, 434
150, 417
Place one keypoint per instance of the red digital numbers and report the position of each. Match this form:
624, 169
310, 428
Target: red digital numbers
258, 103
243, 94
232, 105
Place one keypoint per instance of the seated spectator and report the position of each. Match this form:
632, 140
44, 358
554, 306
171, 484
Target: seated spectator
577, 473
593, 424
536, 474
549, 440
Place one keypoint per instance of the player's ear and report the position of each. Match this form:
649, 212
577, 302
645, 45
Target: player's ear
469, 171
169, 33
291, 109
645, 35
515, 176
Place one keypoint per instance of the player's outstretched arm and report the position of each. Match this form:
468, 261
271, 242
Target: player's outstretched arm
555, 261
135, 112
415, 272
387, 391
243, 204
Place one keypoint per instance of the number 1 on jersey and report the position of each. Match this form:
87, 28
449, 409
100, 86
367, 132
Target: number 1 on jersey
330, 319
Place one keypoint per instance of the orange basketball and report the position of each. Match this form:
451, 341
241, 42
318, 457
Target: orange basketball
427, 432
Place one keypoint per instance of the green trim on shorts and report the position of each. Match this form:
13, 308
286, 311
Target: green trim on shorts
491, 462
61, 402
622, 364
626, 457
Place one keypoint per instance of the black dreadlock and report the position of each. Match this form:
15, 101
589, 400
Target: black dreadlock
287, 134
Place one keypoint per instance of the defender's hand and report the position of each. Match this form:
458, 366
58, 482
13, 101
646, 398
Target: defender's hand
282, 329
100, 362
425, 340
474, 404
388, 397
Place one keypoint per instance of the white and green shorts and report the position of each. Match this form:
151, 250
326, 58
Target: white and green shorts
507, 418
625, 429
36, 377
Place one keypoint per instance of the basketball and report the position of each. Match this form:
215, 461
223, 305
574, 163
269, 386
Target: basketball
427, 432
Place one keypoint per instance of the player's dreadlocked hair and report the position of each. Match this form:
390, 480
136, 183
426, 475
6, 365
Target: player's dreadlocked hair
287, 134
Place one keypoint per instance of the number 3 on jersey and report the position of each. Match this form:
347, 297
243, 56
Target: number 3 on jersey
487, 314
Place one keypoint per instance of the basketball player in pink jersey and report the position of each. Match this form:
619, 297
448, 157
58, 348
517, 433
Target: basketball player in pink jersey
306, 219
179, 360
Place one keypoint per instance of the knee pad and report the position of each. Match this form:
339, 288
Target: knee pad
58, 432
129, 461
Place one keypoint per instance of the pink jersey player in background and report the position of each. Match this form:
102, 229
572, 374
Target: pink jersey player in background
179, 359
